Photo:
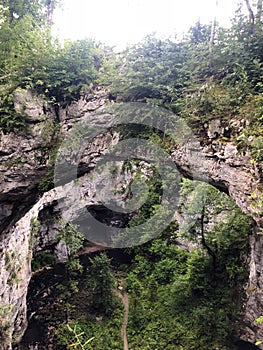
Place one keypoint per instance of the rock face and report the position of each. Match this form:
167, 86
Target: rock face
23, 207
24, 158
225, 167
211, 156
16, 253
221, 164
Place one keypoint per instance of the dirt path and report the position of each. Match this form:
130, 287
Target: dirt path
125, 300
92, 249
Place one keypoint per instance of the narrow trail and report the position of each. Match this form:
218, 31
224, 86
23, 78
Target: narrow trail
92, 249
125, 300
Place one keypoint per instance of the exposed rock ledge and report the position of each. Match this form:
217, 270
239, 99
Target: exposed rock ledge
23, 163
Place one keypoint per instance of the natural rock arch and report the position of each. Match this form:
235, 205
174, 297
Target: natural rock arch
222, 166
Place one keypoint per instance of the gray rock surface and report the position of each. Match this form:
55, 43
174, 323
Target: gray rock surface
212, 156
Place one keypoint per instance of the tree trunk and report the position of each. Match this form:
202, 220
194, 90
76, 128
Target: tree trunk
11, 14
50, 10
251, 17
203, 240
213, 30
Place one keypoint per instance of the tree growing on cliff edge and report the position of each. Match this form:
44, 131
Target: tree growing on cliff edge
22, 28
212, 220
200, 206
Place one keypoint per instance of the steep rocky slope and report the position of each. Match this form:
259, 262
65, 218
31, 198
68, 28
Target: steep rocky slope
211, 156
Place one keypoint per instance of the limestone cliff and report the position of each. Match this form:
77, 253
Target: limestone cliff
24, 163
26, 156
233, 172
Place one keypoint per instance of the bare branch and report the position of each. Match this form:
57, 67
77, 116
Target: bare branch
213, 31
251, 16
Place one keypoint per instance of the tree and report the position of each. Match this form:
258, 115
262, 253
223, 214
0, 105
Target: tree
23, 34
213, 29
251, 16
73, 241
68, 71
254, 19
201, 206
50, 7
102, 281
40, 10
259, 11
151, 70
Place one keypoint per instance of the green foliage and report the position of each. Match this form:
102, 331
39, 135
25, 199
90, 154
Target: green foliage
13, 266
42, 259
195, 81
72, 238
152, 212
178, 299
22, 38
259, 320
49, 150
154, 185
256, 201
64, 73
154, 72
73, 241
213, 220
11, 119
213, 101
105, 334
34, 225
31, 59
78, 342
5, 324
251, 137
102, 282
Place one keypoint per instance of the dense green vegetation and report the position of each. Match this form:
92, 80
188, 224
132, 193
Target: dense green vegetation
191, 77
42, 259
184, 297
31, 59
197, 80
179, 298
188, 299
104, 315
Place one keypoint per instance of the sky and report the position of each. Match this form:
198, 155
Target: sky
121, 22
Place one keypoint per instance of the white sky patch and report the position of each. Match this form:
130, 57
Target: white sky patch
121, 22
